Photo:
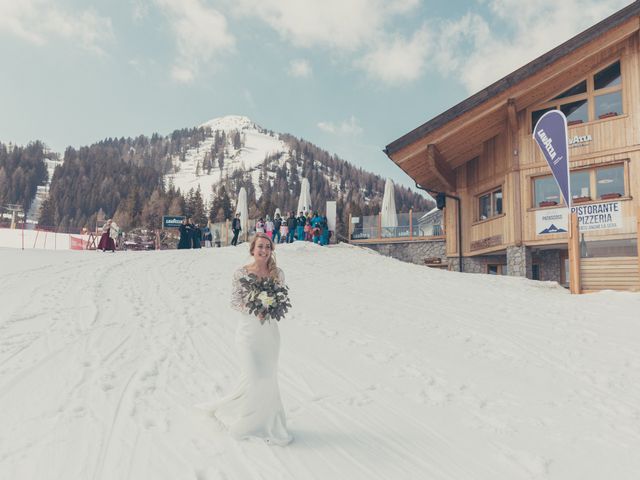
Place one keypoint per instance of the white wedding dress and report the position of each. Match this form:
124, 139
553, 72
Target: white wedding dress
254, 408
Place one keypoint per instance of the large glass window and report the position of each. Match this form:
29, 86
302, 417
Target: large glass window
580, 189
597, 97
535, 116
546, 191
599, 183
576, 112
485, 207
497, 202
609, 77
610, 182
575, 90
609, 105
490, 204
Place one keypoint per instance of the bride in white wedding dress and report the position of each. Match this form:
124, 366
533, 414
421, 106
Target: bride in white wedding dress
254, 408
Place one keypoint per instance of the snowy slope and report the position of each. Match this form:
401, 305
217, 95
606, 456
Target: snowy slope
388, 371
42, 192
257, 145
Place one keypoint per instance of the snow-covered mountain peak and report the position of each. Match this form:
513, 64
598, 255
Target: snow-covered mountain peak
207, 164
231, 122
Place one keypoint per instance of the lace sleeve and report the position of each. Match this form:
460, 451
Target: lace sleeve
237, 297
280, 276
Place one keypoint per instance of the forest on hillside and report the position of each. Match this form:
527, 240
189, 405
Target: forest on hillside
22, 169
355, 191
124, 179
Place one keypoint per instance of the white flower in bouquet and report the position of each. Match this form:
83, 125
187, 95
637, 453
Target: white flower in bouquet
266, 299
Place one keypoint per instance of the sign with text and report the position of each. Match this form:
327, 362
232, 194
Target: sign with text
593, 216
599, 216
553, 220
172, 221
550, 133
486, 242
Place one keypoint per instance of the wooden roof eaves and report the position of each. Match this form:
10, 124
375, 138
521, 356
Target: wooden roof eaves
515, 77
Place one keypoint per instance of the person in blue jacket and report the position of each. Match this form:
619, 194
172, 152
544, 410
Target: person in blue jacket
324, 237
317, 219
301, 222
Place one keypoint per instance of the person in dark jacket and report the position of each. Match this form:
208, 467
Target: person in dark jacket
301, 222
277, 221
324, 236
185, 241
236, 226
292, 224
197, 236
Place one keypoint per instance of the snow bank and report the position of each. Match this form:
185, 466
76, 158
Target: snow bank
387, 370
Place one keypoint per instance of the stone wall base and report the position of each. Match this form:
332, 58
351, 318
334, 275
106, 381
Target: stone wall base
518, 261
412, 252
476, 264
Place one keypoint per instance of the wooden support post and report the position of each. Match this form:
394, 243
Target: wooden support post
410, 224
574, 254
380, 225
349, 229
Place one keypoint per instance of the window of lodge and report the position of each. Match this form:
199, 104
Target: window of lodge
597, 97
602, 183
490, 204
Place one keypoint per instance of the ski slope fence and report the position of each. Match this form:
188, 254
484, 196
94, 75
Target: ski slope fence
43, 239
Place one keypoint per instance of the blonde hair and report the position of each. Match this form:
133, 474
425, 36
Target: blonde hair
271, 263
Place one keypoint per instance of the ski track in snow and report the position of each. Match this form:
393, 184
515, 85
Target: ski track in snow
387, 370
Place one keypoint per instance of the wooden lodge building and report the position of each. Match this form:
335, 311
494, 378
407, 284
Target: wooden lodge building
512, 217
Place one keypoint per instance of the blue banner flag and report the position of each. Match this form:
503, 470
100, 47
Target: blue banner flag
550, 133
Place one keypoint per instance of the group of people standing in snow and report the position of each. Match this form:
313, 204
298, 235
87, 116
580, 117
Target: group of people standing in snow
305, 227
192, 236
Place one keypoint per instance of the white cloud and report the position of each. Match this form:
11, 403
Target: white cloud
397, 60
348, 127
329, 23
300, 69
140, 9
401, 6
40, 21
478, 50
202, 36
358, 30
181, 74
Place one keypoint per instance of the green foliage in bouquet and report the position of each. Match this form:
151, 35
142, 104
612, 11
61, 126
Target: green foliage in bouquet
265, 297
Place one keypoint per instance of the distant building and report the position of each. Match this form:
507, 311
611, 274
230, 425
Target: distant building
513, 220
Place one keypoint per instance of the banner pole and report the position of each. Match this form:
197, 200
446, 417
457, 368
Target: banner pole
574, 254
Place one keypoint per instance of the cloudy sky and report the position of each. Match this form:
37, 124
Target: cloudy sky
349, 75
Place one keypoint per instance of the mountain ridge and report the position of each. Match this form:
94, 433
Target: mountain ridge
198, 171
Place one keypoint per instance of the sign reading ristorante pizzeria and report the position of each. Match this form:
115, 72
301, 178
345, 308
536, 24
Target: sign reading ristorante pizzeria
592, 216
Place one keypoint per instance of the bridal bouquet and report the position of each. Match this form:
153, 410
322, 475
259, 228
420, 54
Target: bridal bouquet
266, 298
